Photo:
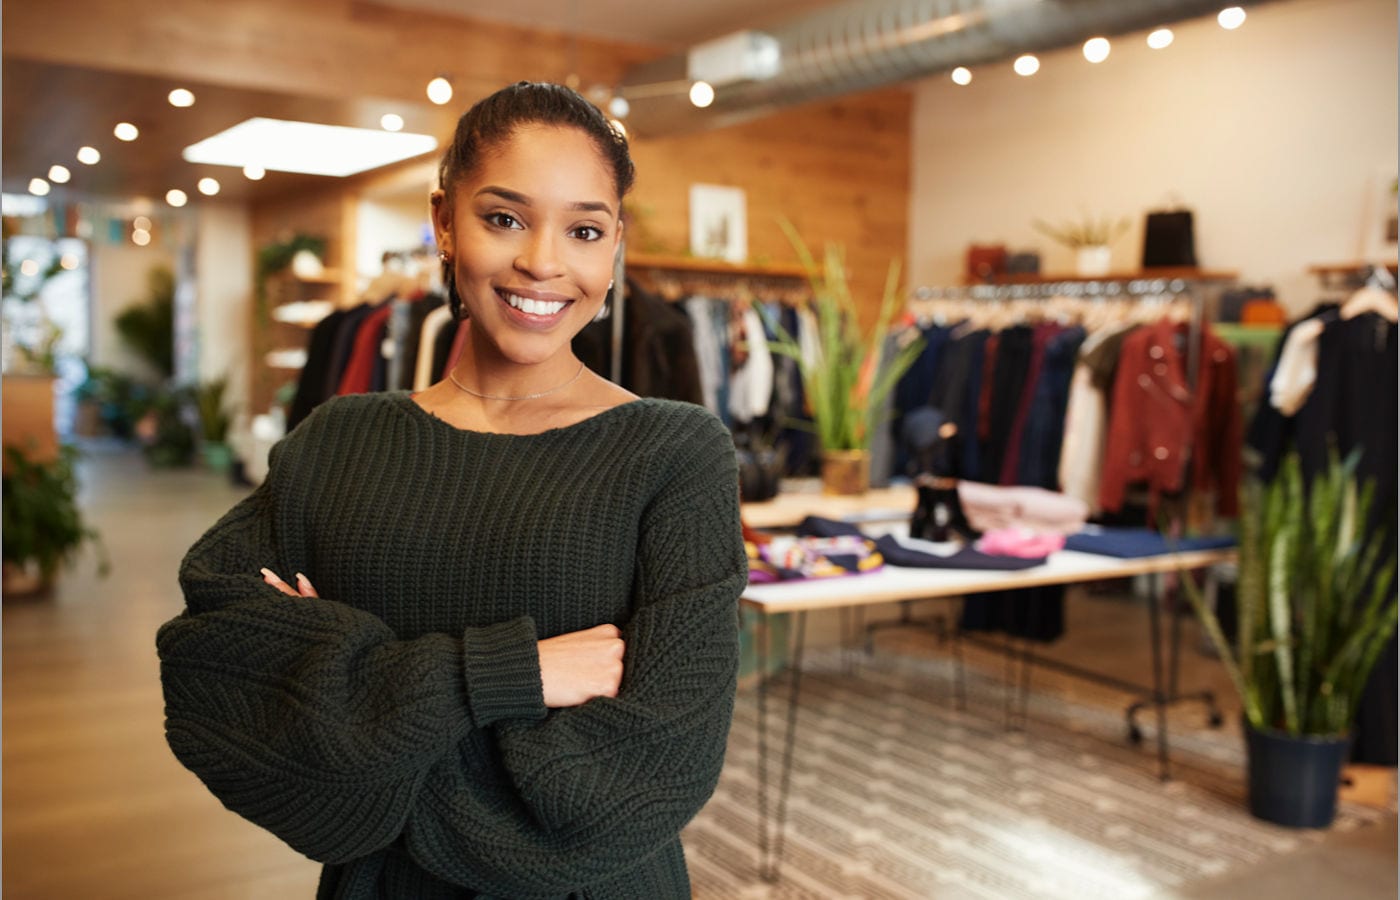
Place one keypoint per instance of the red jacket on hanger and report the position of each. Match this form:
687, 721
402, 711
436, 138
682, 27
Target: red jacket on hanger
1157, 423
359, 371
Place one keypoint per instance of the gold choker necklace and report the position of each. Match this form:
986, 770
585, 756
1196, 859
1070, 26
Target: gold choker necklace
453, 378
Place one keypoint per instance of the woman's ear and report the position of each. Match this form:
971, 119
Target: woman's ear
442, 220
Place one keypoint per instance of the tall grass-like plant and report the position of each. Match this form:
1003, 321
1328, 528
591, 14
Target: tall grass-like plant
846, 377
1316, 604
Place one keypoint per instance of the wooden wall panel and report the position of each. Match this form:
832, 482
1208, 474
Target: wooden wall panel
839, 171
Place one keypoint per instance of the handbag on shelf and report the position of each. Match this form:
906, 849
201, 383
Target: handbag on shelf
1169, 239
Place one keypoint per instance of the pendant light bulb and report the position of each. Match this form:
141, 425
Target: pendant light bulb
1026, 65
1231, 17
1160, 39
962, 75
440, 90
702, 94
1096, 49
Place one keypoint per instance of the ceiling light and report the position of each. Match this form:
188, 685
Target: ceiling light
1160, 39
619, 107
89, 156
59, 174
38, 187
254, 173
125, 131
391, 122
29, 267
1096, 49
140, 237
69, 261
141, 223
440, 90
962, 75
176, 197
208, 186
307, 148
701, 94
181, 97
1230, 18
1026, 65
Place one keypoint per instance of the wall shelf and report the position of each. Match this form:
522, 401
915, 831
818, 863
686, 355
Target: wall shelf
695, 264
1168, 273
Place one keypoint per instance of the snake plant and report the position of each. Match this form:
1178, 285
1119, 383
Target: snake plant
846, 372
1316, 604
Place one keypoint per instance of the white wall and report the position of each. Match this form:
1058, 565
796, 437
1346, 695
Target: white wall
387, 224
1281, 136
119, 273
223, 268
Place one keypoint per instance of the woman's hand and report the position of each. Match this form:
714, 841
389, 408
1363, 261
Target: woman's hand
303, 584
581, 665
574, 667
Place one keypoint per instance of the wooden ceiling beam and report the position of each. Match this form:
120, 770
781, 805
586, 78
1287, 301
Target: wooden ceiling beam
322, 48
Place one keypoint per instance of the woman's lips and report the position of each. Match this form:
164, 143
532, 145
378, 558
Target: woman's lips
533, 310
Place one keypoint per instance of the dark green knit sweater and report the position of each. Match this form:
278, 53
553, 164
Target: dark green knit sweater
395, 729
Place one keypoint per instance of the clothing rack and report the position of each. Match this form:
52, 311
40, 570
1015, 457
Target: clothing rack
1163, 693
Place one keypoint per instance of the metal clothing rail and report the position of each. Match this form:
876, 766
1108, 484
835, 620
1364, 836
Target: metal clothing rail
1077, 288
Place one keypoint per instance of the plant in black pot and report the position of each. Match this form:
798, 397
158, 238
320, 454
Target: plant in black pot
43, 527
1315, 609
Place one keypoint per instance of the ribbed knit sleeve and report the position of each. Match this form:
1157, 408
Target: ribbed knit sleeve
307, 716
598, 788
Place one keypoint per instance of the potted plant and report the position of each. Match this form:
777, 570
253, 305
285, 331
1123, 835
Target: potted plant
1315, 609
43, 527
214, 424
846, 374
1091, 241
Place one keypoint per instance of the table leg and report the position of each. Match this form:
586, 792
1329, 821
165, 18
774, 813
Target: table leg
772, 829
1159, 694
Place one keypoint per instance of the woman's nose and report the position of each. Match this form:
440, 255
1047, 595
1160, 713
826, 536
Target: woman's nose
540, 257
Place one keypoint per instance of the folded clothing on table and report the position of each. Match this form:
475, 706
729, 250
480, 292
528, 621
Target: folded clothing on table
788, 558
920, 554
1134, 543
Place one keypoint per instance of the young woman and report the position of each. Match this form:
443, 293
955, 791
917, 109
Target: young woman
507, 666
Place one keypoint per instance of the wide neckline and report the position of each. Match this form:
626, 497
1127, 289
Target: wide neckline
406, 398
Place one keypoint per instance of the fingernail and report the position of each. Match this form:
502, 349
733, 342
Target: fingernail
302, 579
267, 573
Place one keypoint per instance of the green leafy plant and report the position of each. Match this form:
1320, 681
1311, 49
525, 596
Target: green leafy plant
1089, 232
848, 377
42, 522
1315, 600
274, 257
213, 417
148, 328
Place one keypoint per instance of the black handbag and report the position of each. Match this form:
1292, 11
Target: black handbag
1169, 239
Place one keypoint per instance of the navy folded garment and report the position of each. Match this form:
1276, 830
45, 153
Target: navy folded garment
1134, 543
896, 554
816, 526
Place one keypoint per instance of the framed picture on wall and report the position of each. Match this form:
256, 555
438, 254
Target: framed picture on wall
718, 223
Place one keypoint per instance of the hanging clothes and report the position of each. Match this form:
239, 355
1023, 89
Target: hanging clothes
434, 325
312, 380
1160, 425
364, 352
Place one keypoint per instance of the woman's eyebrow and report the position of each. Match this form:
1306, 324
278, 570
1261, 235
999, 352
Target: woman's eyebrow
516, 197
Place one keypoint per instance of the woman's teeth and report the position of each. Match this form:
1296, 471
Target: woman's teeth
535, 307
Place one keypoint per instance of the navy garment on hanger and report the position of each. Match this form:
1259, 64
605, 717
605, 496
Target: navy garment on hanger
1039, 465
1009, 375
914, 387
312, 381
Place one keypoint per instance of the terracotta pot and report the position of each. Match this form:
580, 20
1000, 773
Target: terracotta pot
19, 581
845, 472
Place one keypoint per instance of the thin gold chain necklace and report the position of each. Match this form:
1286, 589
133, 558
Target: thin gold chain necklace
453, 378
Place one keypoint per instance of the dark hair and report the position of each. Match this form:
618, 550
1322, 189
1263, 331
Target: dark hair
493, 119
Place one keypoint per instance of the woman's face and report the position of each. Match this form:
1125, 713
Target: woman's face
532, 232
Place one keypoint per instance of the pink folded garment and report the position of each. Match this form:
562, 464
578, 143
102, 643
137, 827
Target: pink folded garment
1020, 543
990, 507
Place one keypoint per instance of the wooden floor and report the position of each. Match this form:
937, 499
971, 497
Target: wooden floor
95, 806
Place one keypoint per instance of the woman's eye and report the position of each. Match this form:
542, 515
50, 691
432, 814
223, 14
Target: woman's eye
503, 220
587, 233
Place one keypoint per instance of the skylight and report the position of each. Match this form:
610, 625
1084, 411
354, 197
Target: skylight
306, 148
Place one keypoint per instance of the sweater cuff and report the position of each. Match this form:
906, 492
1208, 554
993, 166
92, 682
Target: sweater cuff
502, 670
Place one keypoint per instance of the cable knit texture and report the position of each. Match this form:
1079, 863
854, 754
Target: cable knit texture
395, 729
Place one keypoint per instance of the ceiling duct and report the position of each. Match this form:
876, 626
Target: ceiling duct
868, 44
